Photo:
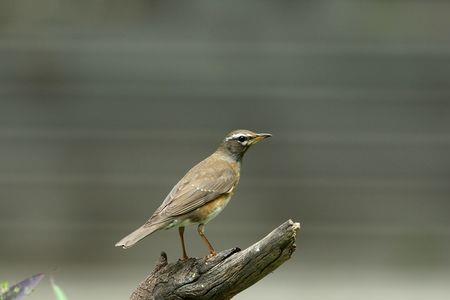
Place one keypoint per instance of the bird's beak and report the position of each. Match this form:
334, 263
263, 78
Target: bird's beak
260, 136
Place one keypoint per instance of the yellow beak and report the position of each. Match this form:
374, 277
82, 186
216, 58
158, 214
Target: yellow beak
259, 137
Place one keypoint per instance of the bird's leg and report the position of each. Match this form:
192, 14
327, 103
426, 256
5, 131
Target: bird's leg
181, 232
201, 232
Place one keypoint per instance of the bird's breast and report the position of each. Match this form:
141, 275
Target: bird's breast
210, 210
213, 208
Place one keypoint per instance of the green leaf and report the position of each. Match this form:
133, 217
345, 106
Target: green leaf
4, 287
58, 291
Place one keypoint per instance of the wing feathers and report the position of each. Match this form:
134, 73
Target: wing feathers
203, 183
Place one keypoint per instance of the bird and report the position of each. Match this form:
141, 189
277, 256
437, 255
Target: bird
202, 193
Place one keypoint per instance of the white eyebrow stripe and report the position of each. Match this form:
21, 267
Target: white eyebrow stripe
237, 135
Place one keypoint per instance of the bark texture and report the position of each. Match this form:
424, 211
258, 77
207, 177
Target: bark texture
221, 276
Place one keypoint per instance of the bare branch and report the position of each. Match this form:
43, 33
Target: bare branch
222, 276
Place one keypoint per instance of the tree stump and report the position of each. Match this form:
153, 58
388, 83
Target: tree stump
222, 276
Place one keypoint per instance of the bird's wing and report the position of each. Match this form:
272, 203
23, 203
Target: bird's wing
203, 183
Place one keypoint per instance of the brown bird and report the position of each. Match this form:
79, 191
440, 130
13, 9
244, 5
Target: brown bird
202, 193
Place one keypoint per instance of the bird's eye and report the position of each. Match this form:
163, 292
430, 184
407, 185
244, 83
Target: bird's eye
242, 138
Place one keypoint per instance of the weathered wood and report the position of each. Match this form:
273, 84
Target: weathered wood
221, 276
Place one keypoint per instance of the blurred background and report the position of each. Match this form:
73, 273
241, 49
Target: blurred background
104, 105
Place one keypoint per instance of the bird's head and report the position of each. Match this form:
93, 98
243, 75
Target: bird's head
237, 142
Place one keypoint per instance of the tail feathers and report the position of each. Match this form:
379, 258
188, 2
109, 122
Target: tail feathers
137, 235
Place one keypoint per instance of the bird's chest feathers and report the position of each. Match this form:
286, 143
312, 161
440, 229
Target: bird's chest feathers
205, 213
213, 208
236, 166
210, 210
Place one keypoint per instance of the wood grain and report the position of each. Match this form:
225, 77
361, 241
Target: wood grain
221, 276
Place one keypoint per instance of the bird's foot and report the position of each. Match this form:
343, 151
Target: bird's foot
184, 258
211, 254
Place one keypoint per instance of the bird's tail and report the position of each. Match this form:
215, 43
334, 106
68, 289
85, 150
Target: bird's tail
138, 235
